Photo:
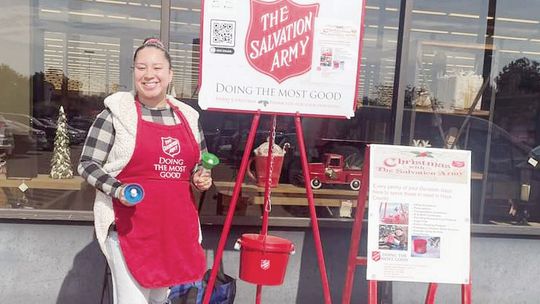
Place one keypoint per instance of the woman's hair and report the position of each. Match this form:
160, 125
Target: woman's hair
155, 43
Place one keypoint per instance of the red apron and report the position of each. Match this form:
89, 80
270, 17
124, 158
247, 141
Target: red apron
159, 236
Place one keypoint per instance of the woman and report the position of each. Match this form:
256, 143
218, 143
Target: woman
152, 139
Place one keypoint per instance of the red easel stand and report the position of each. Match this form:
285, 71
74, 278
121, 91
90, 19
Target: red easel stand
264, 230
465, 293
431, 292
354, 260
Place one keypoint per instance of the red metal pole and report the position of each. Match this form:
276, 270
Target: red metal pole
267, 183
313, 214
258, 295
357, 232
372, 292
466, 293
232, 207
431, 293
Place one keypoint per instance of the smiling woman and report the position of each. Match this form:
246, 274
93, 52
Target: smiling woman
139, 150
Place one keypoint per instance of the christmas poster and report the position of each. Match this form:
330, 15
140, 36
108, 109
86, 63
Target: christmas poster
419, 214
284, 56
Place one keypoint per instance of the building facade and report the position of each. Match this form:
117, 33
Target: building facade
447, 74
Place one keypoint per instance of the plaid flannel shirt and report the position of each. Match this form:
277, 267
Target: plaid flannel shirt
99, 143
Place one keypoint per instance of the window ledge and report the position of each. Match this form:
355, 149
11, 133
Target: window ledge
497, 229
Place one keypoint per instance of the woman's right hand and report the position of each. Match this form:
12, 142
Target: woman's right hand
122, 199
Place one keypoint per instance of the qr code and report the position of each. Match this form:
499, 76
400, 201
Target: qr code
222, 33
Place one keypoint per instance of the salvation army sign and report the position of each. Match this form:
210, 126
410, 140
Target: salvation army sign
419, 214
279, 42
285, 56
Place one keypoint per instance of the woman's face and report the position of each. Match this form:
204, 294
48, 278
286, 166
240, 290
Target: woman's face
152, 75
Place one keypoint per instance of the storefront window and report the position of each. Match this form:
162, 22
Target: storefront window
470, 83
75, 53
184, 46
471, 78
69, 54
379, 52
516, 118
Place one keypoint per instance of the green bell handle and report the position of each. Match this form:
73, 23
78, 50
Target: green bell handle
209, 161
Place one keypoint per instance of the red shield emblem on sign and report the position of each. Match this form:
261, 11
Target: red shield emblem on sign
279, 42
375, 256
170, 146
458, 164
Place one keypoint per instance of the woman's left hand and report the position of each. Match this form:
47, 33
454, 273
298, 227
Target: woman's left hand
202, 180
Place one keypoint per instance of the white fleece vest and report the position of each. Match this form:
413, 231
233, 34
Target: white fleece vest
124, 117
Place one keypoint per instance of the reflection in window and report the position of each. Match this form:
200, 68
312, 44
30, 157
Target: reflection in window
447, 99
516, 117
379, 53
72, 54
448, 49
92, 63
184, 46
484, 52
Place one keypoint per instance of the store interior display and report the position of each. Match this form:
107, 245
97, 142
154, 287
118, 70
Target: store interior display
423, 98
61, 159
260, 159
458, 90
3, 167
333, 170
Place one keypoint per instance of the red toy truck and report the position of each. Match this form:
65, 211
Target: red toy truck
333, 171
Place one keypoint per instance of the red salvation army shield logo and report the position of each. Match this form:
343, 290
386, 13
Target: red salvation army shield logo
375, 256
458, 164
170, 146
279, 41
265, 264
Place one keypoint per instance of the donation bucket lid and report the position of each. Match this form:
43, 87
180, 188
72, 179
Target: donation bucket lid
267, 243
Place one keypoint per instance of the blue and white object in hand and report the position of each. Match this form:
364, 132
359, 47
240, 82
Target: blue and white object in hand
133, 193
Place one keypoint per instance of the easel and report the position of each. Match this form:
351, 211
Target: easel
267, 206
354, 260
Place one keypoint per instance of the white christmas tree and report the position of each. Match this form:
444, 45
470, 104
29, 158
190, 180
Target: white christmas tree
61, 161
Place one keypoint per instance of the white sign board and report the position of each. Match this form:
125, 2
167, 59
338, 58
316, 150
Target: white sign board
285, 56
419, 214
